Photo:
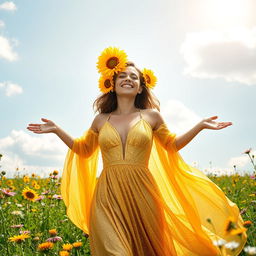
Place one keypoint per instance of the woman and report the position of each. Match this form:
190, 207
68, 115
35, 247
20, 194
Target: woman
147, 200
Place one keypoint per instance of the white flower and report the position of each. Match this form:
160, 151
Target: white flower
250, 250
232, 245
219, 242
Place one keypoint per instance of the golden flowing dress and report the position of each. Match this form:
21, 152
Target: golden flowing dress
147, 200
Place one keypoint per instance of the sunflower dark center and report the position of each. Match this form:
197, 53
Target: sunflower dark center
107, 83
30, 195
112, 62
148, 79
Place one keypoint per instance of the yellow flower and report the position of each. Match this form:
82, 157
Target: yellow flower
29, 194
26, 179
112, 60
37, 186
53, 232
149, 77
67, 247
77, 244
238, 231
106, 83
45, 246
33, 183
247, 223
19, 238
64, 253
33, 175
55, 172
9, 183
229, 225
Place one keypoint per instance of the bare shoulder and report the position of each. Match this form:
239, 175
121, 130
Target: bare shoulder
153, 117
98, 121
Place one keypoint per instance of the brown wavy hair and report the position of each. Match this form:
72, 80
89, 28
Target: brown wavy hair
107, 102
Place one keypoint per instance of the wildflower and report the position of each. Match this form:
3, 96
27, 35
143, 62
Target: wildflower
39, 198
238, 231
54, 239
29, 194
19, 205
24, 232
219, 242
232, 245
17, 213
36, 238
3, 173
19, 238
64, 253
247, 223
45, 246
26, 179
250, 250
7, 192
37, 186
77, 244
17, 226
57, 196
67, 247
229, 225
55, 172
53, 232
247, 151
253, 177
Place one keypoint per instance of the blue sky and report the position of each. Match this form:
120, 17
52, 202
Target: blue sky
203, 53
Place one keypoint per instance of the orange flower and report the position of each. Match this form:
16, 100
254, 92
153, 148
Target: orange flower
77, 244
67, 247
247, 223
45, 246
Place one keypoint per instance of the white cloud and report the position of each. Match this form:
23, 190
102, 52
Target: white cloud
179, 117
240, 161
19, 146
6, 51
228, 54
11, 88
8, 6
2, 25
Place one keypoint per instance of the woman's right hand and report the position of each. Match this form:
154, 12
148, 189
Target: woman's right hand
48, 127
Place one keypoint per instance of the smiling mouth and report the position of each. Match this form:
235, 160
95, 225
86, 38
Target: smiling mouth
127, 86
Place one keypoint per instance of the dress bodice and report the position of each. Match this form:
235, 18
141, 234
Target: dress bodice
137, 146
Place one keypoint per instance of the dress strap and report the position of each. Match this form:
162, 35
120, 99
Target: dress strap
140, 114
109, 115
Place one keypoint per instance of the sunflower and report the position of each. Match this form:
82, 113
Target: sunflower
111, 61
45, 246
29, 194
106, 83
149, 77
19, 238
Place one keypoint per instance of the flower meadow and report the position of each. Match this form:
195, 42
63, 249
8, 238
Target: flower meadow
33, 218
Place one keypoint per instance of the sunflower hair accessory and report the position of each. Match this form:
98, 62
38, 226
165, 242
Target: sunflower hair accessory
113, 60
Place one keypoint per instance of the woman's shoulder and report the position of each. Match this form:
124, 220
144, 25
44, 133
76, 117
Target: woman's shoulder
98, 121
153, 117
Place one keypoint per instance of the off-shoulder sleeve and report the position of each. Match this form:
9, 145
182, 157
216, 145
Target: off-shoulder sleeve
190, 198
79, 178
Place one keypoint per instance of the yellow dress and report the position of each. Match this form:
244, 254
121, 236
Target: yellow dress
147, 200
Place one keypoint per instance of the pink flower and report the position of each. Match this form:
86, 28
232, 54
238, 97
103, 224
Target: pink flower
39, 198
247, 151
7, 192
17, 226
54, 239
57, 196
252, 177
24, 232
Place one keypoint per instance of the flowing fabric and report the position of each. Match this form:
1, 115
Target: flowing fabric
147, 201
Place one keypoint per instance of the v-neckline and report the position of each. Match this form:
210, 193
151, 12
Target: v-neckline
123, 146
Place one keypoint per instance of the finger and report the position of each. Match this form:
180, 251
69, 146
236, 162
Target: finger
34, 124
44, 119
214, 117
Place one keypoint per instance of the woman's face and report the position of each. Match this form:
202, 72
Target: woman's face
128, 82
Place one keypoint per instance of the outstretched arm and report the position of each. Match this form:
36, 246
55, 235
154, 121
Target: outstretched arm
206, 123
51, 127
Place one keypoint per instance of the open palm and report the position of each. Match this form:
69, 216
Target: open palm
209, 123
48, 127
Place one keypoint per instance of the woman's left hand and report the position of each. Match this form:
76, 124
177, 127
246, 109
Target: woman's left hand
209, 123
